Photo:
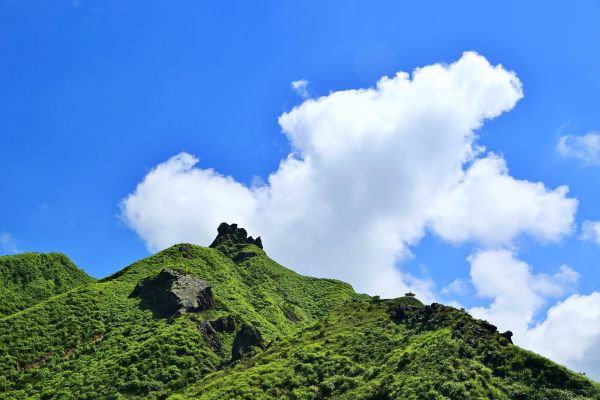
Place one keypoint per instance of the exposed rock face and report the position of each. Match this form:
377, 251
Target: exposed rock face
172, 293
210, 329
231, 234
246, 338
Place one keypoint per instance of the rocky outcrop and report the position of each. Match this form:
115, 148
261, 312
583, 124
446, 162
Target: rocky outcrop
437, 316
247, 338
210, 329
172, 293
232, 235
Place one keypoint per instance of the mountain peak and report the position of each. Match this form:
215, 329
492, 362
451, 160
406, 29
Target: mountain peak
232, 234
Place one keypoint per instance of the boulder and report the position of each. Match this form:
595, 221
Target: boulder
172, 293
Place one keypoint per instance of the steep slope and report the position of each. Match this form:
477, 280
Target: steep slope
105, 340
27, 279
395, 349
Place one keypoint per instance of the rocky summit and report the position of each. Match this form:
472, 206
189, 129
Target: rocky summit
227, 322
232, 235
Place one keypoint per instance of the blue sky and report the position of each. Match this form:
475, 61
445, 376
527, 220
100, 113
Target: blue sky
94, 94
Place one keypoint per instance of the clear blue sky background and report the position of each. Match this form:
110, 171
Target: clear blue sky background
93, 93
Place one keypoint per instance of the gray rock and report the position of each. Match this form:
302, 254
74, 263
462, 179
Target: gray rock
172, 293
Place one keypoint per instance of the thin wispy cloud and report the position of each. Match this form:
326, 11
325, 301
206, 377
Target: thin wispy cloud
585, 148
301, 88
590, 231
7, 244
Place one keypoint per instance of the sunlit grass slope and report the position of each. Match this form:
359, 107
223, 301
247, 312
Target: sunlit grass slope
362, 350
96, 342
29, 278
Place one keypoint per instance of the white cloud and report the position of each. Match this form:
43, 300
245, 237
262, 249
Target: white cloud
584, 147
590, 230
490, 206
7, 243
518, 294
365, 179
301, 88
570, 332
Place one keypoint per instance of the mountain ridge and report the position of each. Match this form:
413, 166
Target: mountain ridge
251, 328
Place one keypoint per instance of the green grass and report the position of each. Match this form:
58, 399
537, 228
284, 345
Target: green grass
322, 341
94, 342
27, 279
358, 351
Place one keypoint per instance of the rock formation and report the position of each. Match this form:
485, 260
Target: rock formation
172, 293
232, 235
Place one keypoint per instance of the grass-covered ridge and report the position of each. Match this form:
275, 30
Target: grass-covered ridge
96, 342
263, 332
365, 350
29, 278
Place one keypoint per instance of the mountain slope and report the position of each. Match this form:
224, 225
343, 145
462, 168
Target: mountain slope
100, 342
228, 322
395, 349
27, 279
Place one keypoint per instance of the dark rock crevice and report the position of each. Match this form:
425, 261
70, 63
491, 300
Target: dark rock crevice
247, 338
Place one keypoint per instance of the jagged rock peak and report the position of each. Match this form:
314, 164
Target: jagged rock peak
233, 234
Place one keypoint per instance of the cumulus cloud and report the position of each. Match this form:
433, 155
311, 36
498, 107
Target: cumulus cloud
366, 178
490, 206
518, 294
590, 230
569, 333
7, 243
301, 88
584, 147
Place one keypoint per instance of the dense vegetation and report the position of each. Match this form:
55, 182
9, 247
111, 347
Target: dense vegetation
362, 350
27, 279
96, 342
318, 339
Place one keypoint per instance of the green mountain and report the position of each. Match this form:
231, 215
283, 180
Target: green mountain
27, 279
228, 322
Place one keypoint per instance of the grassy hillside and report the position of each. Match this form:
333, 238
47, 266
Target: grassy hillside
27, 279
260, 332
366, 350
97, 342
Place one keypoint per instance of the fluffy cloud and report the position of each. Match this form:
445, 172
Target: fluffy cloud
492, 207
570, 332
585, 147
370, 170
590, 230
518, 294
301, 88
7, 243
